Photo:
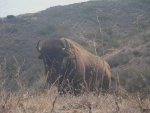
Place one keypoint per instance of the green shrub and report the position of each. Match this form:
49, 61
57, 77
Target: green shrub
90, 35
143, 26
55, 31
90, 49
89, 10
114, 44
146, 38
48, 30
136, 53
135, 80
10, 16
56, 15
11, 29
145, 2
108, 31
119, 59
104, 17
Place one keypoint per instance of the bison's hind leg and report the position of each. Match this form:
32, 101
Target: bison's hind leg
104, 86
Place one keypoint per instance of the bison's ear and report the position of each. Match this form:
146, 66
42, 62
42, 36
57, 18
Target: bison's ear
40, 57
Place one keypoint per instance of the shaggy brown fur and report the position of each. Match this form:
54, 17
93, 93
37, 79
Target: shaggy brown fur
73, 68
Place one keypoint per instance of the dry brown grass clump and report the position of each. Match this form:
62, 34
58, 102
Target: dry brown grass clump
50, 102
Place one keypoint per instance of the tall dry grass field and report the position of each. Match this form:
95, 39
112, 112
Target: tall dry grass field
50, 102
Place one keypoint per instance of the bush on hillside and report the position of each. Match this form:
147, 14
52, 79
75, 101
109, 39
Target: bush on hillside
119, 59
55, 31
135, 80
10, 16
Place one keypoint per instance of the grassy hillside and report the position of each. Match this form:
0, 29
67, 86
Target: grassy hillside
117, 30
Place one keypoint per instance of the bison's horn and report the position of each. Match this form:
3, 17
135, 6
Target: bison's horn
63, 48
37, 47
67, 44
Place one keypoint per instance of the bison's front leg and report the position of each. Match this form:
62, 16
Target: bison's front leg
48, 83
63, 86
77, 89
71, 87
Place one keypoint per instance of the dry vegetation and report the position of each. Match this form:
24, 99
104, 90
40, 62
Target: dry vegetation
50, 102
117, 30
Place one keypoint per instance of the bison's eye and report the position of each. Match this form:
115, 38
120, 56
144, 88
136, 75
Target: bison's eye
40, 57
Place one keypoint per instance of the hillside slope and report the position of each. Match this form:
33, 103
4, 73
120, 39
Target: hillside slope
119, 31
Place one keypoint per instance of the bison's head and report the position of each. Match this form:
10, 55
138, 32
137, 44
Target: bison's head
52, 53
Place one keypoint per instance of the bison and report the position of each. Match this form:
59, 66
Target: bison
73, 68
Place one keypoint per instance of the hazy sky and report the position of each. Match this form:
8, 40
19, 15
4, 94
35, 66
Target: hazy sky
16, 7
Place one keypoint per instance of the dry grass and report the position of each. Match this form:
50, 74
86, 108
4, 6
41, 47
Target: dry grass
50, 102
